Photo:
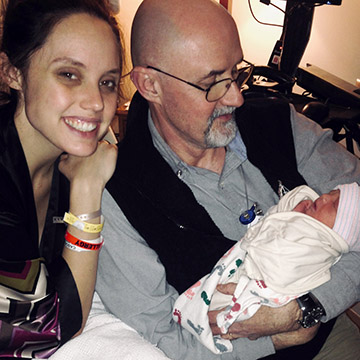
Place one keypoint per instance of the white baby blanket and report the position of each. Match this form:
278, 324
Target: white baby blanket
107, 337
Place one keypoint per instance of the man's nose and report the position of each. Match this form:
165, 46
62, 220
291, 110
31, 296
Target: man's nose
233, 97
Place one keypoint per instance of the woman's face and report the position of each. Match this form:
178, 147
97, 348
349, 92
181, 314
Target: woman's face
71, 87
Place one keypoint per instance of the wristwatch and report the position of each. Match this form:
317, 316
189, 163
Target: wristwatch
312, 310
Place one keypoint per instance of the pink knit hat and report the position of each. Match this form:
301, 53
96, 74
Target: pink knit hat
347, 222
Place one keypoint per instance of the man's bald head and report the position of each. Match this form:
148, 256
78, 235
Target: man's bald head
164, 30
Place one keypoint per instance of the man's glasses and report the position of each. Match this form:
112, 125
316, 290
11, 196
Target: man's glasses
219, 88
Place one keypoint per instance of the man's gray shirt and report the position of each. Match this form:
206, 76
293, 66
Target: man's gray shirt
132, 281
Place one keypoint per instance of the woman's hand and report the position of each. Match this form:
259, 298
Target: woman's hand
93, 170
88, 176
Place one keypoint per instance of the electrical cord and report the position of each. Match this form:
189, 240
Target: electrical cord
268, 2
261, 22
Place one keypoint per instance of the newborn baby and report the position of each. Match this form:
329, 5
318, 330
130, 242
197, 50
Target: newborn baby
283, 256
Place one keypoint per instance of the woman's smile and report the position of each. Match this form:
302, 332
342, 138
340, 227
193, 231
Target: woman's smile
85, 126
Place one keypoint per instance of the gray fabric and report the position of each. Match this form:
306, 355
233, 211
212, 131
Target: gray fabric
131, 280
223, 196
335, 348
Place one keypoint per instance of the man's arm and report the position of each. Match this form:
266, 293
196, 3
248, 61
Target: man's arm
324, 164
343, 290
281, 323
132, 285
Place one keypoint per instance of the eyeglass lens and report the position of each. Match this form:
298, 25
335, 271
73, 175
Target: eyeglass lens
219, 89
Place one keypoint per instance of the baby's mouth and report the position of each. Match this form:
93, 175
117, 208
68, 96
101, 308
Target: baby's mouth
79, 125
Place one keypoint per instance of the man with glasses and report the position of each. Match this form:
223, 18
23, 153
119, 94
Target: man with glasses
219, 88
194, 161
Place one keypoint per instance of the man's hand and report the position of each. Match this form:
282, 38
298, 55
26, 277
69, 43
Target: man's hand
280, 323
266, 321
293, 338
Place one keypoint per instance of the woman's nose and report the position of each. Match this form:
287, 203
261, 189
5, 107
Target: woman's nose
92, 99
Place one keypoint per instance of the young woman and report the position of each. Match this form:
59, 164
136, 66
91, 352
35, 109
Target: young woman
61, 63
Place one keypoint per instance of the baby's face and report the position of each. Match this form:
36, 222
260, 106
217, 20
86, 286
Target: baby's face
323, 208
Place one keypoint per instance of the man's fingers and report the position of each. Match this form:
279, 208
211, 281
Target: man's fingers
227, 289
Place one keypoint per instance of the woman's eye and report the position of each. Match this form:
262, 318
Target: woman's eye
109, 84
68, 75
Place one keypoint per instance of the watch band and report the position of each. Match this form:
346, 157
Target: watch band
312, 310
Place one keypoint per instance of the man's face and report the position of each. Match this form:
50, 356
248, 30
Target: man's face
188, 118
323, 208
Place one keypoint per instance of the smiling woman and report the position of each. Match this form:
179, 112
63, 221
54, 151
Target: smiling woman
84, 89
61, 63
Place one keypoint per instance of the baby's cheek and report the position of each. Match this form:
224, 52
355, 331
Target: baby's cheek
301, 206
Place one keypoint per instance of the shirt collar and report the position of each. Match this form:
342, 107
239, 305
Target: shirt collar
237, 146
164, 149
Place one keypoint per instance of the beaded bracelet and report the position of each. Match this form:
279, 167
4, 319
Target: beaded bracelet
73, 220
76, 244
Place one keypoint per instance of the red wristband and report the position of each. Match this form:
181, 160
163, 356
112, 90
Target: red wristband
82, 243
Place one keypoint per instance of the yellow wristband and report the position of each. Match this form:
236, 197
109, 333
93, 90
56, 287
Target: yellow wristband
82, 225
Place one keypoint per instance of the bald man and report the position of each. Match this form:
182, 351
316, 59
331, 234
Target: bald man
195, 158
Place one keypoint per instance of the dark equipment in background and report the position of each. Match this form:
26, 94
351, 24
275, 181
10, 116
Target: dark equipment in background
296, 33
328, 100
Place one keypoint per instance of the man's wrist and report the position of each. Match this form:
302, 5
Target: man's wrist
311, 309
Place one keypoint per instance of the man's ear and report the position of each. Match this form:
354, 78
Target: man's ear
9, 74
146, 83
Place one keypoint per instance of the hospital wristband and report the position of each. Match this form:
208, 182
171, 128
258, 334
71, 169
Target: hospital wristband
74, 243
73, 247
73, 220
73, 239
90, 216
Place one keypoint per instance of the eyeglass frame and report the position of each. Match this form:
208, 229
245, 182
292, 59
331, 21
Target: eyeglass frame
250, 65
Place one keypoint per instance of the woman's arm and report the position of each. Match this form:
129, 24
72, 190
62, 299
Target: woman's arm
88, 177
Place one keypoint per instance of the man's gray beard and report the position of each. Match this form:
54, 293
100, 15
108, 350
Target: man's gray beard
218, 138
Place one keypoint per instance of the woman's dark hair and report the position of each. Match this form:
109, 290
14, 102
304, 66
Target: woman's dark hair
28, 23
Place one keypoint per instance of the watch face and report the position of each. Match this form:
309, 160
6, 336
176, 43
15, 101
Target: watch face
309, 321
312, 317
312, 310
